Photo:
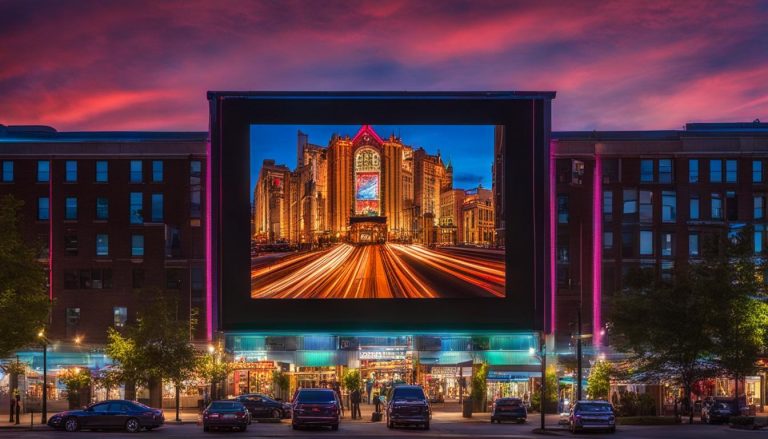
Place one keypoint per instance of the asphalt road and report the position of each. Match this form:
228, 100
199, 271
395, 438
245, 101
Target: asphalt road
440, 429
379, 271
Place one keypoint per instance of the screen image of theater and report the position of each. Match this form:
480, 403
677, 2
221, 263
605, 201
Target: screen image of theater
375, 212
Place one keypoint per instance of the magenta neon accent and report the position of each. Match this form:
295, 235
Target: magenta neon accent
50, 230
208, 246
597, 250
367, 129
552, 239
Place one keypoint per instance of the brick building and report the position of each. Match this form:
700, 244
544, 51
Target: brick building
113, 213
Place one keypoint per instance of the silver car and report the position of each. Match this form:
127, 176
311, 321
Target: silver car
592, 415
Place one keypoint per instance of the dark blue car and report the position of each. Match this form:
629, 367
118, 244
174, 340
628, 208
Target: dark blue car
116, 414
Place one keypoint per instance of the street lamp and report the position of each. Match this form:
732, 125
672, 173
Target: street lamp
542, 357
45, 342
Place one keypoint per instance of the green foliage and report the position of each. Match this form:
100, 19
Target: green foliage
23, 290
157, 345
551, 390
75, 379
14, 367
280, 380
599, 381
212, 368
352, 379
479, 385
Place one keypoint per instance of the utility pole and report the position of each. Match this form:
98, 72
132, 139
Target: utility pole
578, 356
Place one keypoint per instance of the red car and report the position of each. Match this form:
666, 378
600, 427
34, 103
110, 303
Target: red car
316, 407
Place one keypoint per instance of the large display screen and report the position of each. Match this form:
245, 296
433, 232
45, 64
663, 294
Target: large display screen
374, 212
380, 211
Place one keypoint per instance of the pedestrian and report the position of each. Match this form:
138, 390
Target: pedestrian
377, 402
369, 387
355, 398
18, 408
337, 391
13, 408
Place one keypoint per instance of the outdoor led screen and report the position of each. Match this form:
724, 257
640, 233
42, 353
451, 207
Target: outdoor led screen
379, 211
375, 212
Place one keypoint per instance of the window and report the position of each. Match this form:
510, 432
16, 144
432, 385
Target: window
668, 206
102, 208
137, 278
173, 278
135, 174
693, 171
43, 170
666, 174
102, 171
157, 208
71, 280
136, 208
157, 171
562, 254
715, 171
667, 244
694, 208
70, 171
627, 244
646, 243
43, 210
172, 242
73, 320
607, 240
693, 244
717, 206
608, 205
757, 171
102, 245
646, 206
70, 208
731, 206
646, 171
7, 171
195, 189
611, 171
630, 201
95, 279
759, 238
120, 316
731, 171
759, 207
562, 209
577, 172
137, 245
71, 244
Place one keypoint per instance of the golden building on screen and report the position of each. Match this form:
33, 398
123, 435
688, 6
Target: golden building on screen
363, 189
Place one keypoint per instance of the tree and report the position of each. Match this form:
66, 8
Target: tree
23, 290
479, 386
77, 381
156, 346
599, 381
707, 314
352, 379
211, 367
551, 389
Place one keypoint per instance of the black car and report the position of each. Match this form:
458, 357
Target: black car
592, 415
316, 407
407, 405
226, 414
719, 410
114, 414
508, 409
264, 407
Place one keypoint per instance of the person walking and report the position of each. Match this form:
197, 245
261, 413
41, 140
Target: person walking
377, 402
337, 391
355, 398
12, 400
18, 408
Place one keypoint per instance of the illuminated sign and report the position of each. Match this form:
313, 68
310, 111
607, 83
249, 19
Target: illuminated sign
382, 355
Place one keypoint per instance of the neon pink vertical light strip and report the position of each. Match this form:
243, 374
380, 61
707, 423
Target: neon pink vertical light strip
50, 230
597, 249
208, 246
552, 238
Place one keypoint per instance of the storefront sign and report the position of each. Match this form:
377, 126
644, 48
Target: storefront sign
270, 365
382, 355
447, 371
496, 375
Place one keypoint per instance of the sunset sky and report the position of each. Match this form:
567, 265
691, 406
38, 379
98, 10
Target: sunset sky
146, 65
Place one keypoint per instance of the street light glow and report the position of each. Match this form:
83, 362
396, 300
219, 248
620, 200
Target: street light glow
41, 334
531, 351
210, 349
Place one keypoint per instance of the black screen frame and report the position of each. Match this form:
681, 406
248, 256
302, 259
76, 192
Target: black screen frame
525, 117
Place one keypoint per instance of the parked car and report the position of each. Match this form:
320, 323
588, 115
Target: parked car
226, 414
263, 407
407, 405
718, 410
508, 409
592, 415
114, 414
316, 407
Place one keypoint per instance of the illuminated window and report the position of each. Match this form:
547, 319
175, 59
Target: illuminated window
136, 174
646, 243
666, 174
102, 208
137, 245
7, 171
668, 206
70, 174
731, 171
667, 244
646, 206
157, 208
693, 244
759, 207
136, 208
102, 245
120, 316
43, 170
694, 208
157, 171
646, 171
43, 210
70, 208
693, 171
717, 206
715, 171
102, 171
757, 171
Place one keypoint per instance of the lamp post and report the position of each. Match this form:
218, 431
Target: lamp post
44, 412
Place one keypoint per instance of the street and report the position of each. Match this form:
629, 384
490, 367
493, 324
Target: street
441, 427
380, 271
